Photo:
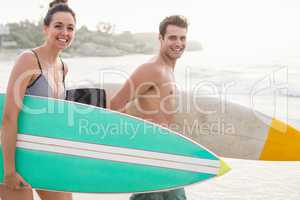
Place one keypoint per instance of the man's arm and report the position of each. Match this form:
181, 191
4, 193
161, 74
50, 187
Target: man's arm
138, 83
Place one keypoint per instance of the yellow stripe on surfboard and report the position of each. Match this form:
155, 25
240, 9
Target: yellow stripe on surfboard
283, 143
224, 168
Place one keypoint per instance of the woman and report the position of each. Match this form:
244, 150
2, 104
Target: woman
38, 72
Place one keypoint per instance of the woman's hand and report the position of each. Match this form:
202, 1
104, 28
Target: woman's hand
15, 181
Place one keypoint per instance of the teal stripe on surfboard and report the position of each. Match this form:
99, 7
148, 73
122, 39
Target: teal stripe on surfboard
81, 123
58, 177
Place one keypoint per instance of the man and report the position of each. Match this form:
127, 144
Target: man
149, 93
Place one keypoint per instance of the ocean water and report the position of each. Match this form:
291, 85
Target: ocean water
269, 84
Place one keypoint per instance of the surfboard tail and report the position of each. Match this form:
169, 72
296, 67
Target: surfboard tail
224, 168
282, 143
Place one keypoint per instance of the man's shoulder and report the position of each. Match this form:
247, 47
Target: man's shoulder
151, 68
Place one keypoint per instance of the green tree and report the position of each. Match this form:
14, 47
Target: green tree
26, 34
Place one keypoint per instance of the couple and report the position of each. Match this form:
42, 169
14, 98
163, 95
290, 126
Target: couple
41, 72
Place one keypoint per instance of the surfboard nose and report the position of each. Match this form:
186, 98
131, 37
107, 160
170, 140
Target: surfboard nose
224, 168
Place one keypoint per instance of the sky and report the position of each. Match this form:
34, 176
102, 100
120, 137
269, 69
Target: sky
224, 27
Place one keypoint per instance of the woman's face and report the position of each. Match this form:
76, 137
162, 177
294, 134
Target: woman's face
61, 30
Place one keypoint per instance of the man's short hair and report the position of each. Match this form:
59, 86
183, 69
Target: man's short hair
177, 20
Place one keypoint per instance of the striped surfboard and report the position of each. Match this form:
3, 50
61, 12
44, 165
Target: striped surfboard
71, 147
240, 132
231, 130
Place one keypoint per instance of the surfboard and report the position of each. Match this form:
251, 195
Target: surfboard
72, 147
231, 130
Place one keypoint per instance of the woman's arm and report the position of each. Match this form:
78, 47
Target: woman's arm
20, 77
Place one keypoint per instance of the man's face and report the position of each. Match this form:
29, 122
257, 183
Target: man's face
174, 41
